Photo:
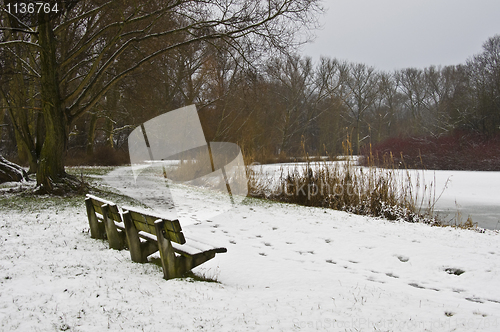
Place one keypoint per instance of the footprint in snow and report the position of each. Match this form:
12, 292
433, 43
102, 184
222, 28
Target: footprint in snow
474, 299
403, 259
305, 252
455, 271
416, 285
375, 280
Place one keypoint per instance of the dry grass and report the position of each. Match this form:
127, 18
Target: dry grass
387, 192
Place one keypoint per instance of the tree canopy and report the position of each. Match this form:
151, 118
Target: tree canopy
65, 63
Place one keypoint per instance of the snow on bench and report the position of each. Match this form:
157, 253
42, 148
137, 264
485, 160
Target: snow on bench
138, 230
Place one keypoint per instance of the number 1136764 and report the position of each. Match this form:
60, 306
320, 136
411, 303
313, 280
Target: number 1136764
16, 7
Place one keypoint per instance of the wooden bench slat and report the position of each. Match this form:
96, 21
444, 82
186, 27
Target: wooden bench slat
170, 225
97, 208
200, 243
190, 250
148, 236
185, 248
115, 215
177, 237
144, 221
100, 200
181, 247
141, 226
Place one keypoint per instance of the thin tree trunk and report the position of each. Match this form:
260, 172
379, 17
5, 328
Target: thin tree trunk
108, 129
356, 137
2, 116
91, 135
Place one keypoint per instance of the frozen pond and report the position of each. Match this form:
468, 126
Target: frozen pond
461, 193
468, 193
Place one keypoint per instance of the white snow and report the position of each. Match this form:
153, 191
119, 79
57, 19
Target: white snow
288, 268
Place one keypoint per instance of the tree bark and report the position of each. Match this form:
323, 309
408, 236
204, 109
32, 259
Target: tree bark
51, 163
2, 116
10, 172
91, 134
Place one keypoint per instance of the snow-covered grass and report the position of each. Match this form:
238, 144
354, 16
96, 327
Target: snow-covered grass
288, 268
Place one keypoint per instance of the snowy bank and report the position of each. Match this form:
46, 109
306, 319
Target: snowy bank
288, 268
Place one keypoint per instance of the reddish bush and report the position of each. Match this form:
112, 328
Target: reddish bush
459, 151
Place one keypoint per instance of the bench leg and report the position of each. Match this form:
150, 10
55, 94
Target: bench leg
167, 254
97, 230
187, 263
115, 239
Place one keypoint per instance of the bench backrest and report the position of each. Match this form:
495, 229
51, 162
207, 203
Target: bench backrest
97, 203
145, 222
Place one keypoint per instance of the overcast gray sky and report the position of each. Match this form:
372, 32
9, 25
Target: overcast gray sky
395, 34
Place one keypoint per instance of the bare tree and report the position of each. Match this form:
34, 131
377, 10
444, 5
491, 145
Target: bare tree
412, 84
81, 51
295, 91
360, 97
387, 107
331, 79
484, 75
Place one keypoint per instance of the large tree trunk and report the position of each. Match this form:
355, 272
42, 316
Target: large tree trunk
51, 162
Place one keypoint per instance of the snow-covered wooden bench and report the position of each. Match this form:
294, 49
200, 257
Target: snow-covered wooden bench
178, 255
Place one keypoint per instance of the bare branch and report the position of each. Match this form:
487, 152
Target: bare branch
17, 42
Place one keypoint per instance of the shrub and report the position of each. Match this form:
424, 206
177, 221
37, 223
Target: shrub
386, 193
459, 151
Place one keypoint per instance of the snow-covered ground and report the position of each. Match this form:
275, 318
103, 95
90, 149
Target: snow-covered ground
288, 268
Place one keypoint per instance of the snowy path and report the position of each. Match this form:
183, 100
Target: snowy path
288, 268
